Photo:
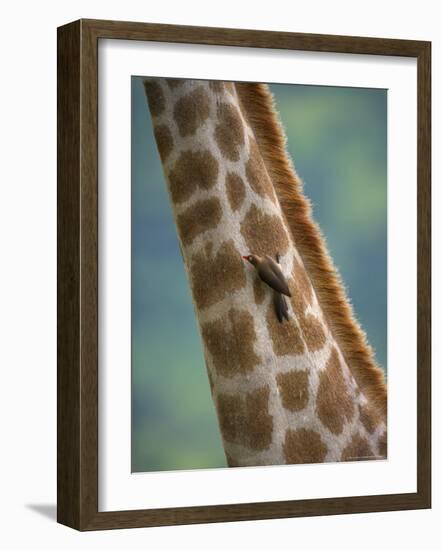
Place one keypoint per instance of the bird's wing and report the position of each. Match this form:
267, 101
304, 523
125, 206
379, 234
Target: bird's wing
274, 281
276, 277
280, 304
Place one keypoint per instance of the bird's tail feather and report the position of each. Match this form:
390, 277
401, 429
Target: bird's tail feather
281, 308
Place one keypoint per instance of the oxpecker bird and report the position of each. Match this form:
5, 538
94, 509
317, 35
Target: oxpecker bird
270, 273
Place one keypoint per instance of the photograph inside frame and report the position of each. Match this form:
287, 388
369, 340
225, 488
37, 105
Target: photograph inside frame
259, 274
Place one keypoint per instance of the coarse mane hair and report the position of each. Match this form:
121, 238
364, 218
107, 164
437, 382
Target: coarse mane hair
258, 107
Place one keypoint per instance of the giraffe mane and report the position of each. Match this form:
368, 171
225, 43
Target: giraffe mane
258, 107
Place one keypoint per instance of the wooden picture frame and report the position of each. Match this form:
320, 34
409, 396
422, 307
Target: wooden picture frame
77, 224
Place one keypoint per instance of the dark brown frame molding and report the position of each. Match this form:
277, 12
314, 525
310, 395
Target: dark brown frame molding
77, 225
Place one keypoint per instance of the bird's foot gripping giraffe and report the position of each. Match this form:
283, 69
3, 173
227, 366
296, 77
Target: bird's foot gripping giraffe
306, 390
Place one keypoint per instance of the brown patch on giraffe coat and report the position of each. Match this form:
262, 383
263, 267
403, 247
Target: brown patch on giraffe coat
264, 233
215, 275
369, 417
312, 332
164, 140
229, 132
382, 445
236, 190
230, 342
298, 299
286, 337
258, 290
357, 449
256, 173
231, 462
334, 404
246, 420
174, 83
192, 170
191, 111
198, 218
303, 447
155, 97
293, 388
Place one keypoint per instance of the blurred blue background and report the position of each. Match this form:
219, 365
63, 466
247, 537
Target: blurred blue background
338, 140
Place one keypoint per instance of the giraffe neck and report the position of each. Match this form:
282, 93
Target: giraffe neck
284, 392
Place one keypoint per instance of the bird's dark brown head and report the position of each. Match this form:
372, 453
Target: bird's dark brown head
252, 259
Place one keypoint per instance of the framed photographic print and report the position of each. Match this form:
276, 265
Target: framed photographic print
243, 274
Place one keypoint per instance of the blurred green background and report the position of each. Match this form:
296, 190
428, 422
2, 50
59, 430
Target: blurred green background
338, 140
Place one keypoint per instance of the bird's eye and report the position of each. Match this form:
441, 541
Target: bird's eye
250, 258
